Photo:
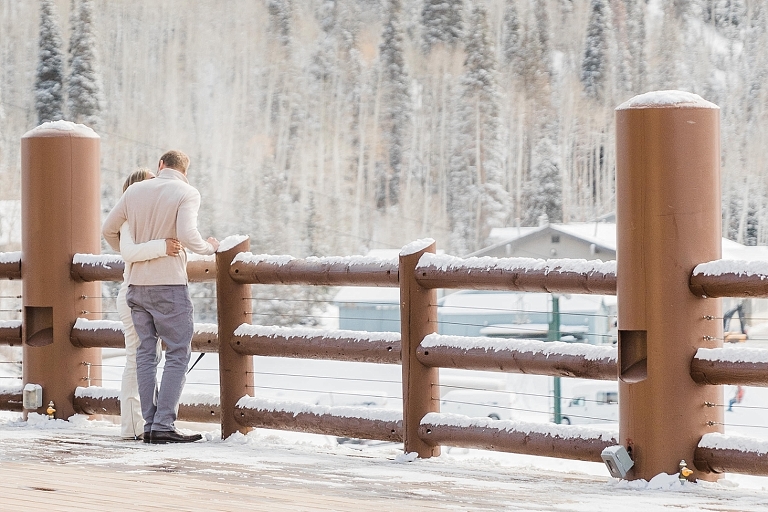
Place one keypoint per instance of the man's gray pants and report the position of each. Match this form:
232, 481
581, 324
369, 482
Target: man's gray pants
163, 311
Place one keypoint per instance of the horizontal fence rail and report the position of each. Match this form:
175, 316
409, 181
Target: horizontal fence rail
96, 400
352, 422
109, 334
357, 346
731, 365
248, 268
730, 278
11, 399
10, 265
556, 359
109, 267
517, 274
10, 332
718, 453
548, 440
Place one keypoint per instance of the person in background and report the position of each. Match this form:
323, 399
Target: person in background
158, 295
131, 419
737, 397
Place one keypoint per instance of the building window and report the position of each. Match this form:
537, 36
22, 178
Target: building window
555, 239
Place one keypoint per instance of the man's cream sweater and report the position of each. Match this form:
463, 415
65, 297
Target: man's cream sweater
164, 207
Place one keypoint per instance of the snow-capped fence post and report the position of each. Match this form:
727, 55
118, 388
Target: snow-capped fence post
61, 208
233, 304
668, 221
418, 319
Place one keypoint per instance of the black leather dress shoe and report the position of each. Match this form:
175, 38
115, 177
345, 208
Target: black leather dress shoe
171, 436
145, 436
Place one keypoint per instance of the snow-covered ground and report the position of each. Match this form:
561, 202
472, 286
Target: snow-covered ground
471, 479
459, 479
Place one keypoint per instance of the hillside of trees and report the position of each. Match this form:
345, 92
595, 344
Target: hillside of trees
330, 127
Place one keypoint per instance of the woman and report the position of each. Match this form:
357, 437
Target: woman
131, 420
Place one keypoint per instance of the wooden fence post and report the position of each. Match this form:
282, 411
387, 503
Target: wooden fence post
233, 303
60, 216
418, 318
668, 221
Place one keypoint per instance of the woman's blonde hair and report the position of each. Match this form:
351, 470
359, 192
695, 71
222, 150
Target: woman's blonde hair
140, 174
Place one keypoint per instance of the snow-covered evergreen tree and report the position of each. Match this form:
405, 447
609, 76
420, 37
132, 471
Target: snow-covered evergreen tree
442, 22
84, 99
477, 198
635, 45
536, 55
280, 14
594, 65
394, 79
543, 190
49, 79
512, 37
727, 15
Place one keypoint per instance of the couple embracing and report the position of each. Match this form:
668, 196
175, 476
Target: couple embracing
151, 224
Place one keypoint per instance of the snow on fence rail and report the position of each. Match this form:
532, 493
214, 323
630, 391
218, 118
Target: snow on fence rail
552, 358
730, 278
545, 439
340, 421
248, 268
109, 267
339, 345
517, 274
192, 407
731, 365
109, 334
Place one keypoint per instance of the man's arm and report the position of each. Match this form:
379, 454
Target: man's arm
186, 225
133, 252
111, 228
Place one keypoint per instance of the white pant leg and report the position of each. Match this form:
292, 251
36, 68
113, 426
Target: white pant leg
131, 419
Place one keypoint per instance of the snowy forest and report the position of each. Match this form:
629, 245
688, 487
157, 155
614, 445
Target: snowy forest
331, 127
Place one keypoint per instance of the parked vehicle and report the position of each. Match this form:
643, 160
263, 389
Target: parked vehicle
592, 403
496, 405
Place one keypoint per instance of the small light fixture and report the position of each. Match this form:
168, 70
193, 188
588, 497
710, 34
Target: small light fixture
32, 398
617, 460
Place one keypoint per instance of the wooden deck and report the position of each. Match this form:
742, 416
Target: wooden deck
70, 487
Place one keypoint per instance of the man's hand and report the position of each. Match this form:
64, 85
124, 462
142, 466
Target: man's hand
172, 246
214, 243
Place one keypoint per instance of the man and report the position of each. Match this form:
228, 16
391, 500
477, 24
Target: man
155, 209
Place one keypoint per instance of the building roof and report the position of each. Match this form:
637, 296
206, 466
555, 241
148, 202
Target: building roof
603, 235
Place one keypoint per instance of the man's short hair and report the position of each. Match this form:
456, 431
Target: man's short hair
176, 160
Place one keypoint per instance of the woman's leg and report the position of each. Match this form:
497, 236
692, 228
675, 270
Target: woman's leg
131, 420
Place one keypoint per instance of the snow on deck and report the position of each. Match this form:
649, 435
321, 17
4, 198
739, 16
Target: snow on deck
547, 348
